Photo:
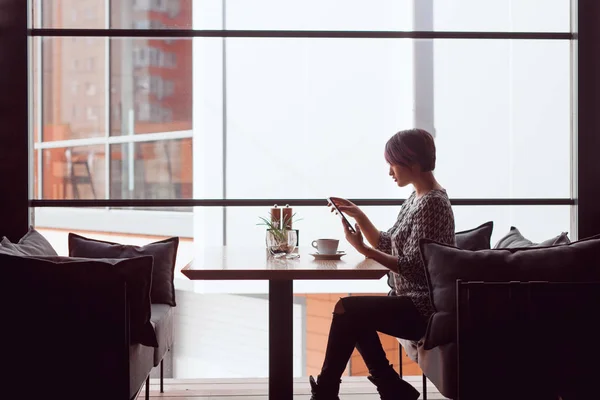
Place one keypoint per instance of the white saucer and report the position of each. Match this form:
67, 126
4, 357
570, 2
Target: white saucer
336, 256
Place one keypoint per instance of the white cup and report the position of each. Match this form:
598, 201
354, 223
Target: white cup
326, 246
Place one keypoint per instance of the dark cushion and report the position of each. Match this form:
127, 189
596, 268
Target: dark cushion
514, 239
164, 253
477, 238
473, 239
444, 264
162, 321
136, 271
32, 244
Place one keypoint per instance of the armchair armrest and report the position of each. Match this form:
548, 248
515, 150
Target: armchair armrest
69, 330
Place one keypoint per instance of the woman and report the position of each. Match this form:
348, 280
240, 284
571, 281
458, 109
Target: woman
427, 213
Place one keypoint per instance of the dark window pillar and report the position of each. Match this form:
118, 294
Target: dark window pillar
14, 143
587, 114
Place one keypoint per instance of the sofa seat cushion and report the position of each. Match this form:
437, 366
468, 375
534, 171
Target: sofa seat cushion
162, 322
411, 347
444, 265
140, 364
438, 364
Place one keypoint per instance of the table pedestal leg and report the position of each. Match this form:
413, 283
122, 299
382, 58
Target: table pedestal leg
281, 338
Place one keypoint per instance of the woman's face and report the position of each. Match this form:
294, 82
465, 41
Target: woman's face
401, 174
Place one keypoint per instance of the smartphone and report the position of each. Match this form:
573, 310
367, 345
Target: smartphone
350, 227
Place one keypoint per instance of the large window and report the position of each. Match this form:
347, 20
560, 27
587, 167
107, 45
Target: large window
276, 101
113, 117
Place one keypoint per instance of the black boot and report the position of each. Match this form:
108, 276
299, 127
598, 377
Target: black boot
393, 387
322, 391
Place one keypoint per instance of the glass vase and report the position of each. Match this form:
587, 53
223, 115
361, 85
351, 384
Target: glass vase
281, 242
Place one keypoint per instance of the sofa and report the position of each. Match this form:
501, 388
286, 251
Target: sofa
85, 325
513, 258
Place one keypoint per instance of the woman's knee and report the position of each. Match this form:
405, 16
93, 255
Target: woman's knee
339, 307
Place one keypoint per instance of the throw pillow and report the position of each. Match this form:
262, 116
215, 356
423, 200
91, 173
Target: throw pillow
164, 253
32, 244
576, 261
9, 251
58, 274
477, 238
514, 239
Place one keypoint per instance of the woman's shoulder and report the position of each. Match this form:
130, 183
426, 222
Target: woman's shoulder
410, 199
436, 193
434, 198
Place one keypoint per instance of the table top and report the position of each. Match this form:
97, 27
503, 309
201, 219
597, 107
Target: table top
243, 263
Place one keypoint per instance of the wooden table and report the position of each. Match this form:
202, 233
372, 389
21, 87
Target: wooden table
254, 263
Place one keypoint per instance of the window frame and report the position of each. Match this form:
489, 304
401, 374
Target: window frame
108, 33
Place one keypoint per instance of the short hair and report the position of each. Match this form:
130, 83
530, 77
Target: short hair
411, 146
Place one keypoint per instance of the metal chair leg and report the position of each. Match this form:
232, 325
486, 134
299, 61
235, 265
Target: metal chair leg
148, 388
161, 377
424, 387
400, 359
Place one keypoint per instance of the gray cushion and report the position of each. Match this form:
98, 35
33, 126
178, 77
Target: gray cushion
438, 364
514, 239
163, 271
11, 251
477, 238
32, 244
162, 322
444, 264
140, 365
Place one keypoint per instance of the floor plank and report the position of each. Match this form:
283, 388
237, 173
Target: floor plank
353, 388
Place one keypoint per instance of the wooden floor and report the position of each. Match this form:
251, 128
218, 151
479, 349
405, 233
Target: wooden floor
353, 388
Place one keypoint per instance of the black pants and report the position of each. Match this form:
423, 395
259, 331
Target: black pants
358, 325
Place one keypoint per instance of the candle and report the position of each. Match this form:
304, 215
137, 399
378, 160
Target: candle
276, 216
287, 217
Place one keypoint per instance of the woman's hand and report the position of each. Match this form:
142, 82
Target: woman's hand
366, 226
347, 207
355, 239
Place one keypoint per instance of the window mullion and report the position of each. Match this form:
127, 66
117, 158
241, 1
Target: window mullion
107, 102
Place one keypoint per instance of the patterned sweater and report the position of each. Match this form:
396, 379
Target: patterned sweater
428, 217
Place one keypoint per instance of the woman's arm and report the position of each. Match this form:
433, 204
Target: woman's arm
387, 260
356, 240
433, 220
371, 233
